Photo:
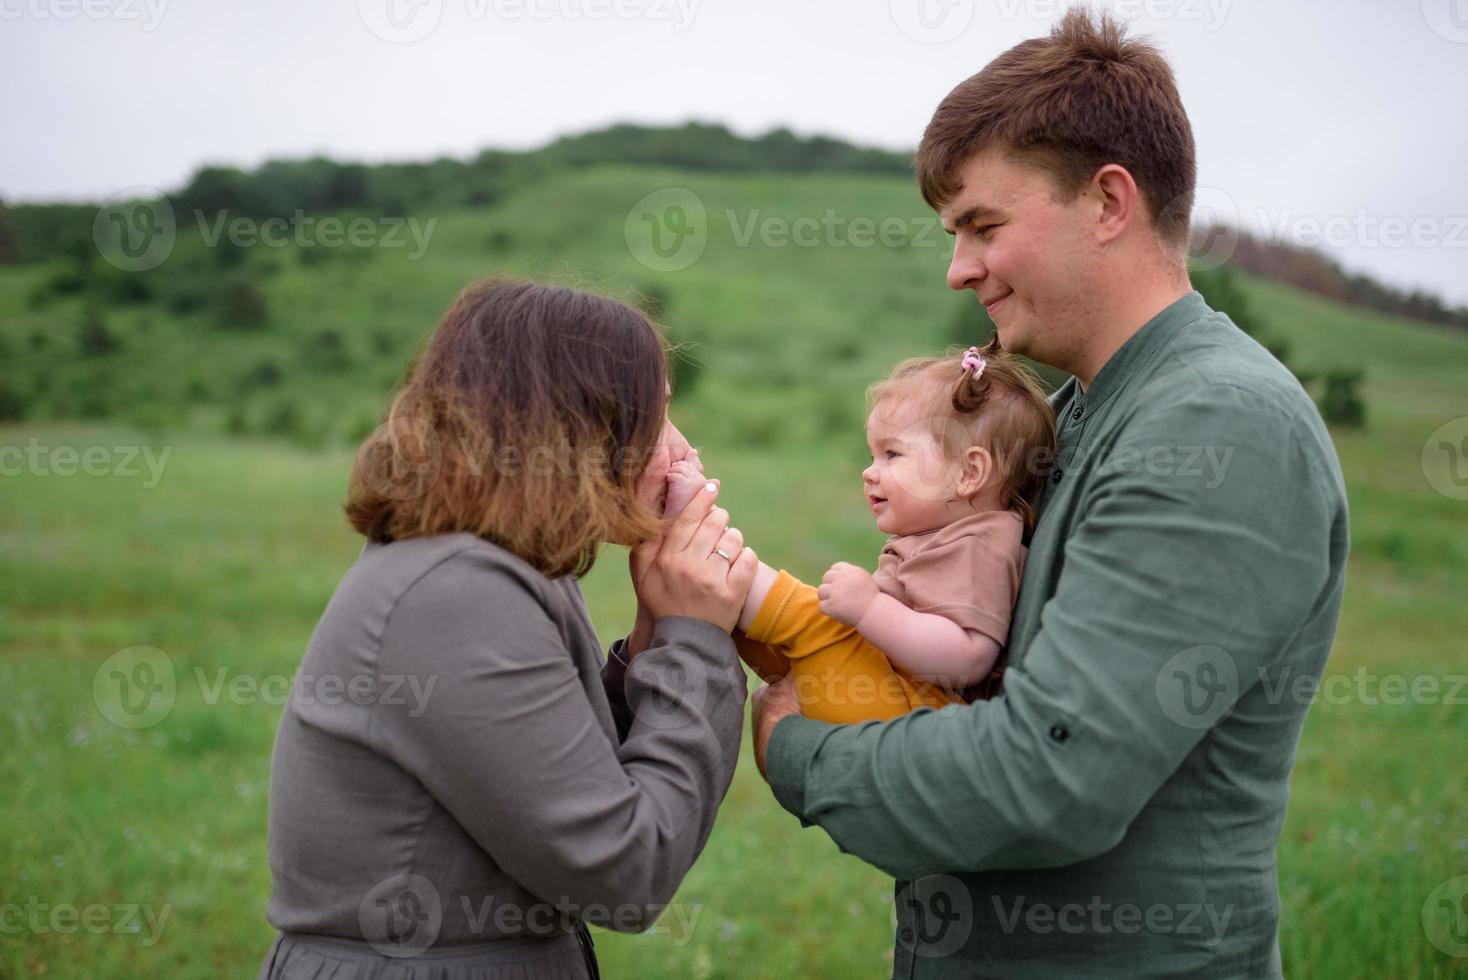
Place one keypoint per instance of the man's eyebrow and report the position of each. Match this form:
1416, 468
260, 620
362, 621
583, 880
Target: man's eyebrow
979, 212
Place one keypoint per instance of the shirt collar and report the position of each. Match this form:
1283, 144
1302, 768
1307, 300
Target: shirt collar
1140, 346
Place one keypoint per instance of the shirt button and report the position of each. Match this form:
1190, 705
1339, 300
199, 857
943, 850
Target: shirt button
1077, 412
1055, 475
1059, 733
908, 935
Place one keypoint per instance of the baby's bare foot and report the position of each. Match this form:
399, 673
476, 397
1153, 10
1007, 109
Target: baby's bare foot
684, 478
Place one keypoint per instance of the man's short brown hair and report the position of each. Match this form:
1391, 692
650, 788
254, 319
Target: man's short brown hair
527, 420
1071, 103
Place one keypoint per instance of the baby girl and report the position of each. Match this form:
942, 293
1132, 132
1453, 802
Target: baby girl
959, 446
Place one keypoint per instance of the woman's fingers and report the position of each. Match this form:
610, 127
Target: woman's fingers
706, 536
741, 573
681, 532
730, 543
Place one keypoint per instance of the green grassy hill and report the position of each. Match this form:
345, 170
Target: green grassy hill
224, 562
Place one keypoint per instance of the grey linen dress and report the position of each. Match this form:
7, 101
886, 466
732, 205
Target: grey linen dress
460, 783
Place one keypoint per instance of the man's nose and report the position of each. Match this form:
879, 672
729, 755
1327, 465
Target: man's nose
966, 270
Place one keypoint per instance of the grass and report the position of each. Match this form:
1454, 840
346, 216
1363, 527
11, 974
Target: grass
226, 563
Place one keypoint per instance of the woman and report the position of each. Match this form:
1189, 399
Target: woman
459, 783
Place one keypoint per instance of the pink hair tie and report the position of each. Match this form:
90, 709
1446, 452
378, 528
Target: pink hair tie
975, 362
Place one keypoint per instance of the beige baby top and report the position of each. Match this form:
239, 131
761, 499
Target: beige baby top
967, 571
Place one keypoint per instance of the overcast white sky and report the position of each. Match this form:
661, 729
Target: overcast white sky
1337, 121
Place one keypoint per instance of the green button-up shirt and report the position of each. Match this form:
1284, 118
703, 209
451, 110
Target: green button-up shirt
1115, 812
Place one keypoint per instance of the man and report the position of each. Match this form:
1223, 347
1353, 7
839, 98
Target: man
1115, 812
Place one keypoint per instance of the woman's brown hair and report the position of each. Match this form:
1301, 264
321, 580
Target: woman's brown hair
527, 419
1004, 410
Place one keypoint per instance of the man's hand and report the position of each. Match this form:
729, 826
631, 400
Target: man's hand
769, 704
846, 591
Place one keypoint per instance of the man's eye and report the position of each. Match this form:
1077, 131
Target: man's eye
985, 231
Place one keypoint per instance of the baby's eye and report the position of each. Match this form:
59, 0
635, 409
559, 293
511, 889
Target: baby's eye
893, 454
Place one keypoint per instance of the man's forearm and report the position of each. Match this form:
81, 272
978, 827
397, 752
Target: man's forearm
927, 646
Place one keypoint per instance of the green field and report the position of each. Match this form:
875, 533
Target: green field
225, 561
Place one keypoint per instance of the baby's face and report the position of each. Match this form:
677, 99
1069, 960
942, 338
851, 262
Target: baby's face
910, 484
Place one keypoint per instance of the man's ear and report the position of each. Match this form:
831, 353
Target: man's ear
1117, 192
975, 469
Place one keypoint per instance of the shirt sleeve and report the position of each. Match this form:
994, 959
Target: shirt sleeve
1160, 564
614, 683
510, 744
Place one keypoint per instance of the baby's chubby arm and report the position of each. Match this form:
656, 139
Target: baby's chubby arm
927, 646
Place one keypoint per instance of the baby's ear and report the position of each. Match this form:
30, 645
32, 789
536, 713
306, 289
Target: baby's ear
975, 470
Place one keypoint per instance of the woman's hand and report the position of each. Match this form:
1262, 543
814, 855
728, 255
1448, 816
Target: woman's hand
682, 573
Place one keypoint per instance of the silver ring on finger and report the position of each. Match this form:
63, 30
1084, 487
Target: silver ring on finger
724, 555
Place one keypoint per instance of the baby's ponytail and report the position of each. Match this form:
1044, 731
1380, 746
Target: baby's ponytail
971, 390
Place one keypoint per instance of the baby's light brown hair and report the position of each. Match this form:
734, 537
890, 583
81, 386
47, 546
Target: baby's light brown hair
1003, 410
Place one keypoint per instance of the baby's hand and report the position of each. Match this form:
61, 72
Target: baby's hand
846, 591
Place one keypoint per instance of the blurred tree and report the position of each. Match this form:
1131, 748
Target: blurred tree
242, 306
94, 338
